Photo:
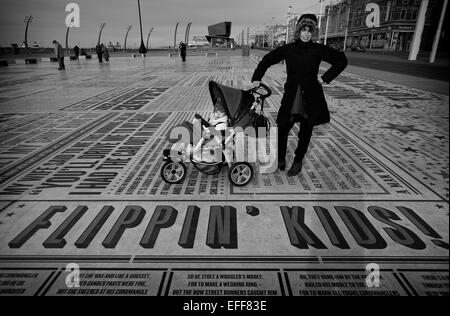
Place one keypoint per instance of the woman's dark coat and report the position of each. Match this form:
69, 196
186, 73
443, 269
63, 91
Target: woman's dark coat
302, 66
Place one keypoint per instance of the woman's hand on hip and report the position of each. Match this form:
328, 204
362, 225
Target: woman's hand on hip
319, 79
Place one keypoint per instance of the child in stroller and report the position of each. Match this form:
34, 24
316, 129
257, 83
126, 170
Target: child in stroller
210, 146
213, 137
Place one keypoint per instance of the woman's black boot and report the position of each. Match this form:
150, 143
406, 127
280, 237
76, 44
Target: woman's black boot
296, 168
282, 165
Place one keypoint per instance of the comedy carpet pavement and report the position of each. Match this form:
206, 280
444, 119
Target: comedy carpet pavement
80, 186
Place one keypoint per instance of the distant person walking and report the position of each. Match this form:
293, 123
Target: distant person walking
59, 52
105, 52
98, 50
76, 51
182, 48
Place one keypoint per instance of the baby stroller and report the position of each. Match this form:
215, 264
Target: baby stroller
241, 111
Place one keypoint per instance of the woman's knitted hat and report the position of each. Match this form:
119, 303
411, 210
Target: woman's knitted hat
309, 20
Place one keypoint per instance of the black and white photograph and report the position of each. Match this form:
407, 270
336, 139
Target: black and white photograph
222, 155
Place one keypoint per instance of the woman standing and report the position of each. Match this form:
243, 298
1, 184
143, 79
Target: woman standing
303, 100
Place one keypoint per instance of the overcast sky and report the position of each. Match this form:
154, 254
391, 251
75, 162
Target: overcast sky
49, 19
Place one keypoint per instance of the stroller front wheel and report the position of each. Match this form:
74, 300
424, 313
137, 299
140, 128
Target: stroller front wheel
173, 172
240, 174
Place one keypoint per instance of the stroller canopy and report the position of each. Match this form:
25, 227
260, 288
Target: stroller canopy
237, 102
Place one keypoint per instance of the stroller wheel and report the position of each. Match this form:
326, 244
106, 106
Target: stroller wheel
241, 173
173, 172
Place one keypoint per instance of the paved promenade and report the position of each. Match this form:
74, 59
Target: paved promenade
81, 152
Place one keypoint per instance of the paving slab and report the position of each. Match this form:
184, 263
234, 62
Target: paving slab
80, 159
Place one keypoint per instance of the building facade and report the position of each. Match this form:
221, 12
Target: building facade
274, 35
219, 34
398, 20
291, 28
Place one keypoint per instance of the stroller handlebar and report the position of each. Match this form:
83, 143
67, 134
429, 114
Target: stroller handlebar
262, 96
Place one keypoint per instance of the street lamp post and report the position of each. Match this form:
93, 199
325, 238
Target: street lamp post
320, 14
248, 35
287, 24
438, 33
328, 21
346, 27
186, 37
67, 40
175, 37
415, 46
28, 20
148, 37
273, 32
126, 36
100, 33
142, 49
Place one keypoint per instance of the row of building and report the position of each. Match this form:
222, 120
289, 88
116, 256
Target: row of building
398, 19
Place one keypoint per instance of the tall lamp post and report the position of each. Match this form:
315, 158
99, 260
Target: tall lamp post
287, 24
102, 26
420, 24
67, 40
186, 37
330, 6
273, 32
346, 26
438, 32
148, 37
175, 37
142, 49
248, 35
126, 36
320, 14
27, 20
